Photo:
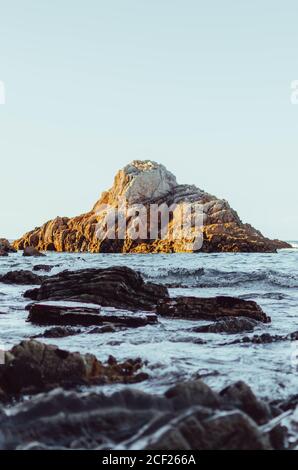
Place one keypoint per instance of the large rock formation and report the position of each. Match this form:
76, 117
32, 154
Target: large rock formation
147, 183
118, 287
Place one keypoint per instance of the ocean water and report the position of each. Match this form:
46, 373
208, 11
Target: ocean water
172, 351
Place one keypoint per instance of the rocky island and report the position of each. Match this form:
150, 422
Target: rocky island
147, 183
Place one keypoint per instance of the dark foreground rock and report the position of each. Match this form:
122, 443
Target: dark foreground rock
241, 396
196, 308
228, 325
73, 313
31, 367
118, 287
189, 416
21, 277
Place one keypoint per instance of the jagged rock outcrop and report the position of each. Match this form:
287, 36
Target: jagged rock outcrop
118, 287
228, 325
210, 308
267, 338
189, 416
31, 367
146, 183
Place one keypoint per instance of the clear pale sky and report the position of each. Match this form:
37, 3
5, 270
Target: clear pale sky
202, 87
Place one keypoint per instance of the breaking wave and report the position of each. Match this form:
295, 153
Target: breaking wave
208, 278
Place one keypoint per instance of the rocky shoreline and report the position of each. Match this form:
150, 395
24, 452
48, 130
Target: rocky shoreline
190, 415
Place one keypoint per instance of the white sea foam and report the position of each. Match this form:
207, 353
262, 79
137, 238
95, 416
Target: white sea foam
170, 346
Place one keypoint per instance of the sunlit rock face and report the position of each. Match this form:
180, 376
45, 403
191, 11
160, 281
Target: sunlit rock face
147, 183
140, 182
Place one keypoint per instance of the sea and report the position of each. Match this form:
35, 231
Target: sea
171, 350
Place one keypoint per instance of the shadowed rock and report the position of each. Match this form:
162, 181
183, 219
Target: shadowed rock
31, 367
266, 338
73, 313
58, 332
191, 393
104, 329
118, 287
147, 182
21, 277
228, 325
43, 267
241, 396
189, 416
197, 308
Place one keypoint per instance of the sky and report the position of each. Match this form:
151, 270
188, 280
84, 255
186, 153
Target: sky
202, 87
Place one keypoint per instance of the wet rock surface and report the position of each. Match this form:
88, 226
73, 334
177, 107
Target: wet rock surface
21, 277
213, 308
74, 313
42, 267
228, 325
189, 416
31, 367
58, 332
147, 182
118, 287
103, 329
267, 338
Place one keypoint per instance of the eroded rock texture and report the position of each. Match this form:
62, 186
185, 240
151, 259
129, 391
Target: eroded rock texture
31, 367
146, 182
73, 313
21, 277
118, 287
213, 308
189, 416
228, 325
